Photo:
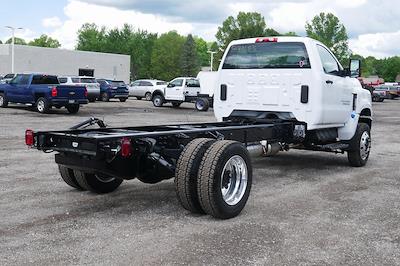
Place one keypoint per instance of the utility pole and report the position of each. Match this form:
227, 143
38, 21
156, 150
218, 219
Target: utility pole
212, 58
13, 29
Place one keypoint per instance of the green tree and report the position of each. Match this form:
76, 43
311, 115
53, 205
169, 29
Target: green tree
136, 43
45, 41
245, 25
327, 29
189, 61
91, 38
17, 40
165, 57
202, 51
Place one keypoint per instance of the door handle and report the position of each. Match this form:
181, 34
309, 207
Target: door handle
329, 82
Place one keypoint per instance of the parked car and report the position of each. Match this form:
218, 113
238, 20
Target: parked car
113, 89
391, 92
7, 78
144, 88
43, 92
377, 96
93, 88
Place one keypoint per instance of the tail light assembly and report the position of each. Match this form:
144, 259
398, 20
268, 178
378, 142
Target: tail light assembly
29, 138
54, 92
86, 92
274, 39
126, 147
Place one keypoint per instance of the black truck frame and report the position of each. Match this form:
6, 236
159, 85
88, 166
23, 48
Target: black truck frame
210, 161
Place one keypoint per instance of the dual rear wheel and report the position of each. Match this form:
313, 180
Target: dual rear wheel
214, 177
96, 183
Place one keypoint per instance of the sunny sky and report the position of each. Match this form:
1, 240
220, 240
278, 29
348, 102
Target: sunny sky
373, 26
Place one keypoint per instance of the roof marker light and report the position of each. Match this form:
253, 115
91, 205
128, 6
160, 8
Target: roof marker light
274, 39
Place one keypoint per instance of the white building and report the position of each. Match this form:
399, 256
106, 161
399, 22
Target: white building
64, 62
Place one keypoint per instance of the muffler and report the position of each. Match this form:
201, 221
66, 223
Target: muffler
263, 148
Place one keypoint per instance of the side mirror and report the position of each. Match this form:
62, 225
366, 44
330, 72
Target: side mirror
170, 85
355, 68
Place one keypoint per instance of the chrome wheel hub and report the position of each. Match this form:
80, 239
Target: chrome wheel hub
234, 179
40, 106
365, 145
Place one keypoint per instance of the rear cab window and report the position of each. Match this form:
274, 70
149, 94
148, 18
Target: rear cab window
267, 55
193, 83
45, 80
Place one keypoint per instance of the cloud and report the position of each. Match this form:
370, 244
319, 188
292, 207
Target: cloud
202, 18
77, 14
52, 22
379, 45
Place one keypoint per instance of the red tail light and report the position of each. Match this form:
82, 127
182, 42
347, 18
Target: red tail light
54, 92
126, 147
29, 139
86, 93
274, 39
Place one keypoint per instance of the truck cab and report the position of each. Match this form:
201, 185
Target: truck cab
291, 78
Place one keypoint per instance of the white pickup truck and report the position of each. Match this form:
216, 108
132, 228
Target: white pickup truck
180, 90
271, 94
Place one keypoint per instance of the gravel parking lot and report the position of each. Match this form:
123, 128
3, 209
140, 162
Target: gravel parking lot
305, 207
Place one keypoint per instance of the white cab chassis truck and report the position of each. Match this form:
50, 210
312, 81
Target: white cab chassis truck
180, 90
271, 95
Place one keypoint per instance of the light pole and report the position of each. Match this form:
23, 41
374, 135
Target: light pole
13, 29
212, 58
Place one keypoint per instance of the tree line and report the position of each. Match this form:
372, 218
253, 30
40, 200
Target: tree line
166, 56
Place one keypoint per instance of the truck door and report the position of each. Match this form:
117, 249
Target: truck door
337, 94
174, 90
23, 89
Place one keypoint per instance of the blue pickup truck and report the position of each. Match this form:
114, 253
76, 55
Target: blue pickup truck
43, 92
113, 89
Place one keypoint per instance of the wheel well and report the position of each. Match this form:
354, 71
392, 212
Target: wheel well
38, 95
157, 92
365, 117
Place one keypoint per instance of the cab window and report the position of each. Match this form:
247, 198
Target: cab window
329, 63
177, 82
20, 80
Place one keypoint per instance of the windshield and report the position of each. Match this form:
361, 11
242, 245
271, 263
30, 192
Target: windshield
267, 55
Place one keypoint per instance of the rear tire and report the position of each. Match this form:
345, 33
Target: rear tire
105, 97
224, 179
3, 101
202, 104
122, 100
68, 176
148, 96
186, 174
96, 183
42, 105
73, 109
360, 146
158, 101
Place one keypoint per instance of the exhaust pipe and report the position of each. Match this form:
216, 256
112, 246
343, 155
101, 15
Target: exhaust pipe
264, 149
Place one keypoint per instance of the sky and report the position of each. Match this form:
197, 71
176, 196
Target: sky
373, 26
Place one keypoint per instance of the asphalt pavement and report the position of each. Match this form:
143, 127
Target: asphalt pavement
305, 208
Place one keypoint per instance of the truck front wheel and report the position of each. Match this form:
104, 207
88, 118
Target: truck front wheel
3, 100
104, 97
360, 146
68, 176
73, 109
42, 105
224, 179
186, 173
96, 183
158, 101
